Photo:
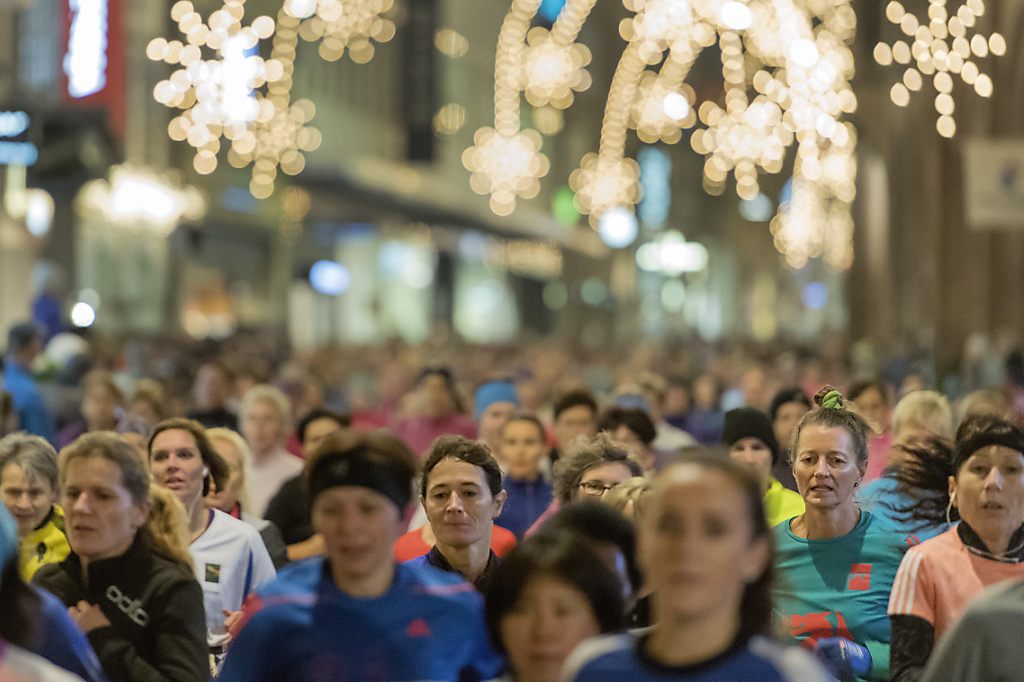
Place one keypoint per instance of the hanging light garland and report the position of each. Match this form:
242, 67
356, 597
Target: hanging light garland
504, 161
226, 91
941, 48
786, 71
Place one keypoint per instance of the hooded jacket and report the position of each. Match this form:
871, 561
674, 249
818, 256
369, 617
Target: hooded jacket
157, 627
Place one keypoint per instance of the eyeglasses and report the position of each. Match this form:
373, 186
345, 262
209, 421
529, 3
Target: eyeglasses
595, 488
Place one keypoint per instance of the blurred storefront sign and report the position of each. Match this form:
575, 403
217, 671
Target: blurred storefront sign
94, 58
994, 183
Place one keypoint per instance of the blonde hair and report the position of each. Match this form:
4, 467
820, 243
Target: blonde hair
135, 478
272, 395
630, 497
168, 524
923, 409
245, 458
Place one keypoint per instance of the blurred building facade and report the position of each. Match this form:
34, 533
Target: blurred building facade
386, 197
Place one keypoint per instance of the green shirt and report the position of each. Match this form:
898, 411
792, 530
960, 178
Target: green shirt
839, 587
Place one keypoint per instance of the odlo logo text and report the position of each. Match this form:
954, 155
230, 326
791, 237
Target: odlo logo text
131, 607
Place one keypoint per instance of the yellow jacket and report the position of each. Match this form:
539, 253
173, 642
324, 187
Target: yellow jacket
45, 545
781, 503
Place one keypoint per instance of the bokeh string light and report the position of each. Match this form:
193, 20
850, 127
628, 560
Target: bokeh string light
343, 25
225, 90
504, 161
786, 68
942, 47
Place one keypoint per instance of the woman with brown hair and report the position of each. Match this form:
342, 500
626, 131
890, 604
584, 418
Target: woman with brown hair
836, 562
126, 583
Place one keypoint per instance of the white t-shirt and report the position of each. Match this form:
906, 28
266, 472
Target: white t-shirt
267, 474
230, 561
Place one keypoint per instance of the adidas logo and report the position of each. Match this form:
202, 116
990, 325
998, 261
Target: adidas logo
131, 607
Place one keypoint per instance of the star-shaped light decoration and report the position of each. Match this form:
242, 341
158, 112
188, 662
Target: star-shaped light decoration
216, 94
942, 47
505, 166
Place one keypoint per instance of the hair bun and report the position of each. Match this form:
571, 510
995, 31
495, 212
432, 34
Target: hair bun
829, 398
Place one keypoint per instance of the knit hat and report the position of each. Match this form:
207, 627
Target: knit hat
746, 422
788, 395
8, 537
499, 391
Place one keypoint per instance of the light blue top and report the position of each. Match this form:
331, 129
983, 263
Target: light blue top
884, 500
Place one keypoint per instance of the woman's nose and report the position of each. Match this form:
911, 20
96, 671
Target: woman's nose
994, 478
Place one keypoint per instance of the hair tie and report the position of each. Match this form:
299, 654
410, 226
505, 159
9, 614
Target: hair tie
833, 400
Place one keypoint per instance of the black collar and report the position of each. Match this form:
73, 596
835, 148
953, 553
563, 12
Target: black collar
974, 543
438, 560
686, 670
133, 564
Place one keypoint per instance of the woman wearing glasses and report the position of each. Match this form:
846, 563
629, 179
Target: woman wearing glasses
589, 470
592, 469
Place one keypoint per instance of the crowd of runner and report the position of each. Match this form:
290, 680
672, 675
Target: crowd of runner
524, 514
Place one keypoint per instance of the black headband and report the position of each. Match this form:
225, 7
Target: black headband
358, 469
1007, 438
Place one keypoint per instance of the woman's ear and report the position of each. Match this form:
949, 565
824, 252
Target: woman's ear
499, 503
757, 559
952, 490
140, 514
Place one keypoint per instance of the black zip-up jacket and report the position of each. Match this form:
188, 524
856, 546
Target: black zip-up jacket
155, 608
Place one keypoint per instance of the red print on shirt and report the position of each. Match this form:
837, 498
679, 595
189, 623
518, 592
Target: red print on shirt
418, 628
860, 578
815, 626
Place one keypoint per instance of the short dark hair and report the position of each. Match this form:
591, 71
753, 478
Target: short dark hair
377, 446
584, 456
219, 470
22, 335
219, 365
564, 557
793, 394
857, 388
600, 522
449, 383
982, 430
523, 416
574, 398
635, 420
465, 450
343, 420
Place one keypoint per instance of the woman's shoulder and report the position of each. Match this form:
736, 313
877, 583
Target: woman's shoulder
225, 530
166, 575
55, 578
616, 657
790, 662
608, 654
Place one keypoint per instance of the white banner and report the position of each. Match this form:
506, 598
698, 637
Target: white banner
994, 183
